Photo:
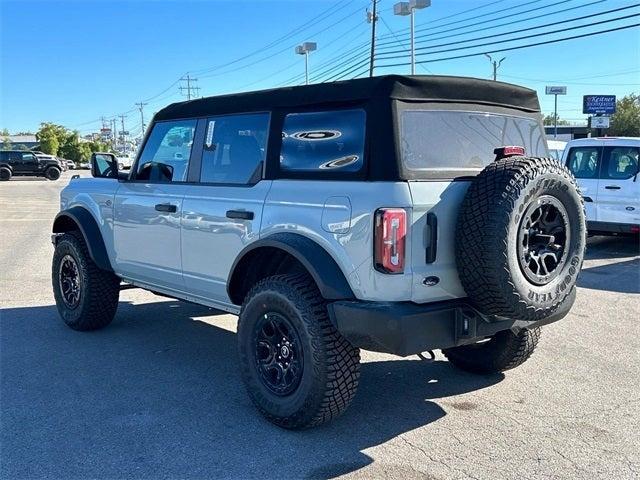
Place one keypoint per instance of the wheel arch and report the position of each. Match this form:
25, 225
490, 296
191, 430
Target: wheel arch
80, 219
286, 252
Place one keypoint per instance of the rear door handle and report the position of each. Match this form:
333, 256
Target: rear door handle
612, 187
166, 207
241, 214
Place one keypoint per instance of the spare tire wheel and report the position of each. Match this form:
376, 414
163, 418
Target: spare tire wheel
520, 238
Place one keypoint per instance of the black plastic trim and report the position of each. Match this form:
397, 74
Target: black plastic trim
90, 231
405, 328
432, 247
321, 266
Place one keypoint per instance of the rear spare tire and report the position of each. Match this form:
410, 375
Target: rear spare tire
520, 238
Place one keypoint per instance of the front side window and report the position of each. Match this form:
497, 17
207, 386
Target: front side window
235, 148
584, 162
446, 143
165, 157
323, 141
28, 157
622, 163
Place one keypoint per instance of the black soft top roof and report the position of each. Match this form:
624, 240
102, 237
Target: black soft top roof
423, 88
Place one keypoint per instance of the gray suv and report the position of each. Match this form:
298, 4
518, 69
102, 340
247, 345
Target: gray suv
394, 214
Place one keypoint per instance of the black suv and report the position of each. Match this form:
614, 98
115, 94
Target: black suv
24, 162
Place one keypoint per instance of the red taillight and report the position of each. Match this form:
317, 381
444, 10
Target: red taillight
508, 151
635, 228
389, 240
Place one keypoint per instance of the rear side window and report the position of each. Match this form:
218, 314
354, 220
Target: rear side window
621, 163
443, 143
331, 141
234, 148
584, 162
165, 157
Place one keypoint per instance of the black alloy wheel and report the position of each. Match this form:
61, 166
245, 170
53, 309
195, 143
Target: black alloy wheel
543, 238
278, 354
70, 281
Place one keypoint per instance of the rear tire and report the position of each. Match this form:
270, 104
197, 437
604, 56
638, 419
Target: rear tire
504, 351
86, 296
5, 174
284, 327
52, 173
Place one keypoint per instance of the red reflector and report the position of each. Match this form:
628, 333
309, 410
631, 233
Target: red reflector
508, 151
635, 228
389, 242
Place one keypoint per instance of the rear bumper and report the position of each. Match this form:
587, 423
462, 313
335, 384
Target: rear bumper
609, 227
404, 328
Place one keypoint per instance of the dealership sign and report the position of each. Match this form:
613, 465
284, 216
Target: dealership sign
556, 90
599, 104
599, 122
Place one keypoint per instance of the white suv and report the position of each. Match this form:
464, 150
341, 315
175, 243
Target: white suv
607, 172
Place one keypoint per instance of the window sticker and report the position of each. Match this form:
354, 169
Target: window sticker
210, 128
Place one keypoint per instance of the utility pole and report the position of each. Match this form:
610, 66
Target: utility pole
189, 88
115, 133
140, 106
495, 64
122, 134
372, 18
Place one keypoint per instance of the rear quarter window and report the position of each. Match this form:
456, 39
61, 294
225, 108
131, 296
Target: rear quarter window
331, 141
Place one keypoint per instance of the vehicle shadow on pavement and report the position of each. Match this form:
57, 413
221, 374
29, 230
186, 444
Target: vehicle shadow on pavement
622, 277
602, 247
157, 395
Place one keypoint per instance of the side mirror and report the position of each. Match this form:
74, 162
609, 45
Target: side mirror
104, 165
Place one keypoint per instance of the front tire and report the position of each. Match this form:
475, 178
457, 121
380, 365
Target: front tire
504, 351
52, 173
86, 296
299, 371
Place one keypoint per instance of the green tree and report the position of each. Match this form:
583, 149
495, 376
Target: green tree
4, 132
6, 143
51, 136
626, 121
548, 120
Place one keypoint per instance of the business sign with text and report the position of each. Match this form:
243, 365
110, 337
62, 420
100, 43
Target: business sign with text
599, 104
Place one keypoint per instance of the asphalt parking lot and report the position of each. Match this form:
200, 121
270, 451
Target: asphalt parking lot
158, 395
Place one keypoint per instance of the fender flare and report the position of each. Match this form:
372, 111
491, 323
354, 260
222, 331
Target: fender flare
90, 231
315, 259
6, 165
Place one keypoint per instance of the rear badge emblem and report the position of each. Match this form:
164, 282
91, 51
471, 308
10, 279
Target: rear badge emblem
430, 281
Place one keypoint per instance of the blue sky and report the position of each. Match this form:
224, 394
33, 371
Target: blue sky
71, 62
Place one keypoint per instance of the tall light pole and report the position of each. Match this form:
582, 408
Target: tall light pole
407, 9
304, 49
495, 64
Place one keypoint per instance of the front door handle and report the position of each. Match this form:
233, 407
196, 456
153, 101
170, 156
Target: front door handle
612, 187
166, 207
241, 214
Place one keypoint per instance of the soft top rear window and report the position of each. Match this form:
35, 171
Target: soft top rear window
452, 143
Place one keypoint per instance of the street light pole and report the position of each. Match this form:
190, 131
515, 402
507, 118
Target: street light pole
407, 9
304, 49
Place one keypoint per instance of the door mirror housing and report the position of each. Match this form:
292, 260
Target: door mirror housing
104, 165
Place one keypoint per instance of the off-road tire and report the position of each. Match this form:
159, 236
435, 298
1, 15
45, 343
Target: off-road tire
504, 351
5, 174
331, 364
52, 173
99, 290
487, 238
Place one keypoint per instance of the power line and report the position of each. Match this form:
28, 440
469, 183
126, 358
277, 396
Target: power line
520, 30
525, 37
548, 42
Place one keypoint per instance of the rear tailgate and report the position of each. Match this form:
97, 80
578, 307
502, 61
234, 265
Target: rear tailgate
433, 224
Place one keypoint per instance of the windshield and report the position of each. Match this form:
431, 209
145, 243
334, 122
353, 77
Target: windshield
443, 143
